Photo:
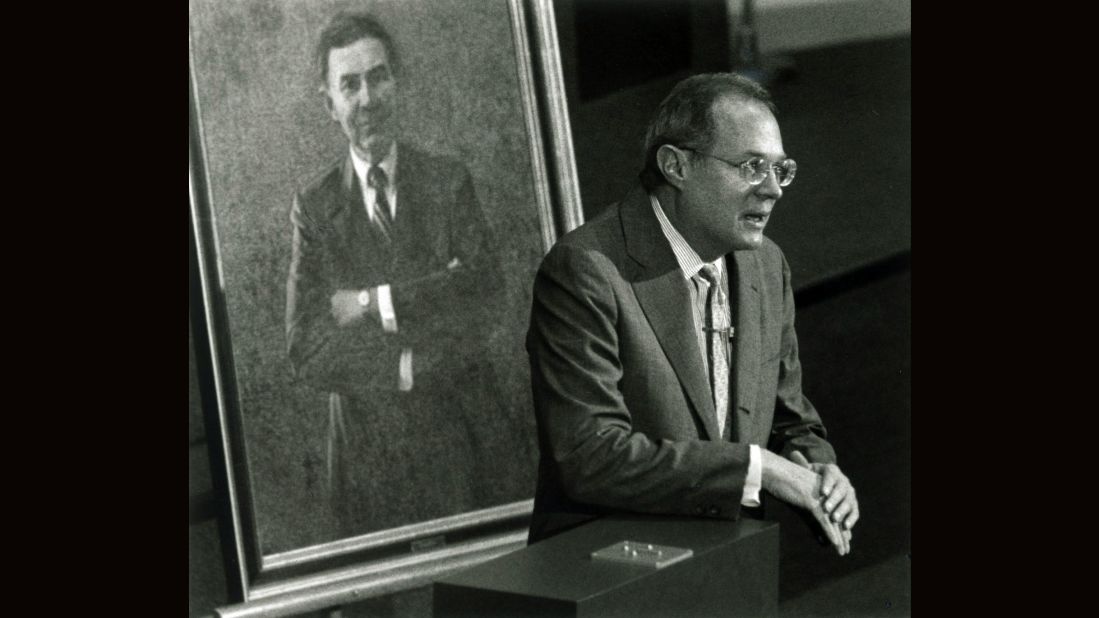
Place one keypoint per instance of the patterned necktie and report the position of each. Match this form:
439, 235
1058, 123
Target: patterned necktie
717, 342
376, 179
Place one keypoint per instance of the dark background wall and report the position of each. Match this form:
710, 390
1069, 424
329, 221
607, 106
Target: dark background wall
845, 114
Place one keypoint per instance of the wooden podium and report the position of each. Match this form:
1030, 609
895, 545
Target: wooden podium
733, 571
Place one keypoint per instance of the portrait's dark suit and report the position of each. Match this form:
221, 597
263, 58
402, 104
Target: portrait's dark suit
398, 457
626, 418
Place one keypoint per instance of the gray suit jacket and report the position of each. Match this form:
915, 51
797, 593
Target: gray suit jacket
397, 457
336, 247
626, 419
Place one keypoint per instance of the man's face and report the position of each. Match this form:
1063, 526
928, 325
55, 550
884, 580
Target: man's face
360, 95
718, 210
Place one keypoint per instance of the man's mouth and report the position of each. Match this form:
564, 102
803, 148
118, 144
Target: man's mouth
756, 219
372, 115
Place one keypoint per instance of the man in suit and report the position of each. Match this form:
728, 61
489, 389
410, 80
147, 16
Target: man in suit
390, 274
664, 362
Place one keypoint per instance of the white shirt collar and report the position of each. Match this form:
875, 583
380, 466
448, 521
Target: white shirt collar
687, 258
389, 165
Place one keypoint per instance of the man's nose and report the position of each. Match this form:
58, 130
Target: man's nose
364, 94
769, 187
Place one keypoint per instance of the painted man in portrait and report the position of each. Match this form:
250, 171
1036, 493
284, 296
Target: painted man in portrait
389, 297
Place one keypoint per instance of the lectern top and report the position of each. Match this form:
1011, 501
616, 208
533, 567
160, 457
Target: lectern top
562, 567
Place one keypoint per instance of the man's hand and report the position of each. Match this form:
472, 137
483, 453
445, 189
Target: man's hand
346, 308
840, 502
800, 486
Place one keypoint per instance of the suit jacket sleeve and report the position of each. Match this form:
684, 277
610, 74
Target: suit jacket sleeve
585, 423
355, 359
449, 308
797, 425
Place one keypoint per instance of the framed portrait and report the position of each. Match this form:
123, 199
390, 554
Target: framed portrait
372, 187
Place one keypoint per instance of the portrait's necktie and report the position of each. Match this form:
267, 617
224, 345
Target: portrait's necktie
376, 179
716, 329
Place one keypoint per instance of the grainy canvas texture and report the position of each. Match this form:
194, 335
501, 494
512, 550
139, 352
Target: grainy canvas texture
265, 133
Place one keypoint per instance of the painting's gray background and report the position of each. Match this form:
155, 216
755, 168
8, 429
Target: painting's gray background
266, 132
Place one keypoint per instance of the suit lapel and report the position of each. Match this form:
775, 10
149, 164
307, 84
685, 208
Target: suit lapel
746, 342
408, 194
665, 299
347, 202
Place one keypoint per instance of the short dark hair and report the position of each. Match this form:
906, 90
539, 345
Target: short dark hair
685, 117
345, 28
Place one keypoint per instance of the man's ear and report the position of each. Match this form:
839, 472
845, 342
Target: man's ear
328, 106
672, 162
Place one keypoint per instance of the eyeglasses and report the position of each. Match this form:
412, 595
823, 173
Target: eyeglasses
754, 170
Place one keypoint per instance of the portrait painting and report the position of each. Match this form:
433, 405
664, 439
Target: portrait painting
373, 185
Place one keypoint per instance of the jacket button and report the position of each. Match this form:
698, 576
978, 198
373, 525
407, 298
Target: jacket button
698, 510
714, 511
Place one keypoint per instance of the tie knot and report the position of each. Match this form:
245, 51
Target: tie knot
375, 177
709, 273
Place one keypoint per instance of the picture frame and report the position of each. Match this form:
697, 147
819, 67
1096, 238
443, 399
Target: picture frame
481, 82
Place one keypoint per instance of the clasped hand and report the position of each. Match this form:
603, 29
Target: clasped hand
837, 493
835, 507
821, 489
346, 308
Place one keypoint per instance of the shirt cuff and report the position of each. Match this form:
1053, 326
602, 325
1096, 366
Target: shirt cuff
404, 378
754, 481
385, 308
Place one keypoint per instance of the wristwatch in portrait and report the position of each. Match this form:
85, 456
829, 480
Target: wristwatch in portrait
364, 298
